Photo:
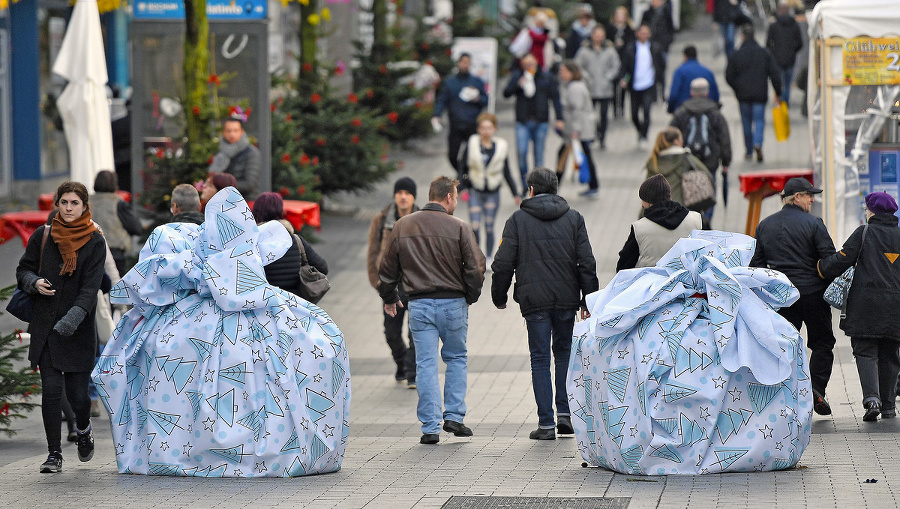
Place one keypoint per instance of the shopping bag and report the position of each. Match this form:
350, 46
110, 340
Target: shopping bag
781, 121
521, 44
584, 171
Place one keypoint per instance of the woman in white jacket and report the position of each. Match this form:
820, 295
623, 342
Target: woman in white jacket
483, 164
578, 114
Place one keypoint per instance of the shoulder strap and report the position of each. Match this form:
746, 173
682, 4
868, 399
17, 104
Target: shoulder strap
43, 243
303, 260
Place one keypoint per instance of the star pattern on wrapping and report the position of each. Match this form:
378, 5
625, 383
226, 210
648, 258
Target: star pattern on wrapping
623, 353
249, 304
247, 215
186, 449
120, 449
760, 467
291, 322
298, 352
804, 392
128, 436
237, 472
136, 287
647, 359
587, 362
317, 378
166, 337
579, 382
117, 369
704, 412
270, 257
223, 291
153, 383
246, 395
720, 382
328, 431
209, 375
257, 357
779, 445
164, 446
634, 430
261, 467
200, 317
766, 431
208, 424
735, 394
317, 352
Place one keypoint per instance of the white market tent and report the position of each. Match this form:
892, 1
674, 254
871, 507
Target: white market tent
847, 116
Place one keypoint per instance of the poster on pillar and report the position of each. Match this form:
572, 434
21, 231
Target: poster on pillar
215, 9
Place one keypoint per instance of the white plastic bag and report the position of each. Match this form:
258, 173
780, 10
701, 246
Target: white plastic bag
521, 44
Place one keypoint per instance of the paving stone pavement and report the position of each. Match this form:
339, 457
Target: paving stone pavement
385, 466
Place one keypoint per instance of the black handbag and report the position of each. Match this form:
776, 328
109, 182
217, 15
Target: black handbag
21, 305
313, 284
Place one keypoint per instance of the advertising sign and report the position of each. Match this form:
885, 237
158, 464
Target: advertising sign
215, 9
872, 61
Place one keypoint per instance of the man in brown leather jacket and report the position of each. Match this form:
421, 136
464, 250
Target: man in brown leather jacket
379, 231
437, 258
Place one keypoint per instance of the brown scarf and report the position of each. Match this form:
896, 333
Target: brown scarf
70, 237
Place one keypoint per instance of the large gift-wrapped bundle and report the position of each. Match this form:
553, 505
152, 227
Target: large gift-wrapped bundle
686, 368
215, 372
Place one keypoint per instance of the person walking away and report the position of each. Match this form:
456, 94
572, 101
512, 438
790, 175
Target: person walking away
792, 241
535, 90
238, 157
579, 124
483, 163
546, 247
115, 217
437, 258
690, 70
724, 13
581, 30
784, 41
380, 229
642, 62
621, 32
871, 320
749, 71
63, 274
671, 160
664, 222
705, 132
464, 97
600, 65
185, 207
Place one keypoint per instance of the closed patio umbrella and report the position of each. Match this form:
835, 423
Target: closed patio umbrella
83, 104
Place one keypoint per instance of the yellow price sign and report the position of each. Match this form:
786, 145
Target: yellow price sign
872, 61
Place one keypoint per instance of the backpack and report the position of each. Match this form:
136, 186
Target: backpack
698, 139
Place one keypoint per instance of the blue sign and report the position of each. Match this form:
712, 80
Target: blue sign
215, 9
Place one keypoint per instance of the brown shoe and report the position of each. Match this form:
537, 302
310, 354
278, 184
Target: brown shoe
759, 156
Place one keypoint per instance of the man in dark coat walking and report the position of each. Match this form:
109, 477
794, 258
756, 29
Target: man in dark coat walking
464, 97
545, 244
784, 40
792, 241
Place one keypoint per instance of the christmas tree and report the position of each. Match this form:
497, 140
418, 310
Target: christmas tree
17, 386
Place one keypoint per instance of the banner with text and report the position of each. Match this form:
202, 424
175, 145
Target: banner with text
215, 9
872, 61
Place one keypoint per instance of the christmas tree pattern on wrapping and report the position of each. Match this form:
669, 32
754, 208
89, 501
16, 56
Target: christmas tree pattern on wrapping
216, 373
666, 394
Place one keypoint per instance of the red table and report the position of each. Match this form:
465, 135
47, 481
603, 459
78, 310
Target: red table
757, 185
299, 213
21, 224
45, 200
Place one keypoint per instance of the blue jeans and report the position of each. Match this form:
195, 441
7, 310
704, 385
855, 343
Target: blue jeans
728, 36
483, 207
753, 117
429, 321
533, 131
787, 75
542, 326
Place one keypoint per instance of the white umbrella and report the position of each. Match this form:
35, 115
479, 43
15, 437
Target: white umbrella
83, 104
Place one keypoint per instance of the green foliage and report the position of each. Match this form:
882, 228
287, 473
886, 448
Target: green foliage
17, 386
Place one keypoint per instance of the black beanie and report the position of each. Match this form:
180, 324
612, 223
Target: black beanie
405, 184
655, 190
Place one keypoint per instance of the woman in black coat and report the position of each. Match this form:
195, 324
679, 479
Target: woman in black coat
874, 298
285, 271
63, 274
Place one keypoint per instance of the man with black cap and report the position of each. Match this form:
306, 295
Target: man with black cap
382, 224
664, 222
792, 241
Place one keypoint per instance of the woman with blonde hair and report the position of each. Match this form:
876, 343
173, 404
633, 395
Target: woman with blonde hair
671, 160
578, 112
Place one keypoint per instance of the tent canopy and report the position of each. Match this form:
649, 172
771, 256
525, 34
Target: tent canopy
854, 18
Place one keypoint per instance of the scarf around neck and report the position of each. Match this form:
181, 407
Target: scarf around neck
227, 151
70, 237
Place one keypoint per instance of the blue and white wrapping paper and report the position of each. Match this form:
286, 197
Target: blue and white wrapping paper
665, 381
215, 372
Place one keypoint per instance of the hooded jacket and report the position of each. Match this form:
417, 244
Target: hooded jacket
784, 40
672, 163
545, 244
655, 233
875, 293
719, 137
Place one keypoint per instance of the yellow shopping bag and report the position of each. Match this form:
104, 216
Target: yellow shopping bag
782, 121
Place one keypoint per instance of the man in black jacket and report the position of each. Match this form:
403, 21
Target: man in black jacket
545, 244
643, 65
792, 241
749, 70
784, 40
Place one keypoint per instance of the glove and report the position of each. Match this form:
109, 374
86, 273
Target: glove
66, 325
436, 125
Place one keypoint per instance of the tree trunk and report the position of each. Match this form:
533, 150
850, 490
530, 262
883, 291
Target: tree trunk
380, 28
196, 68
308, 33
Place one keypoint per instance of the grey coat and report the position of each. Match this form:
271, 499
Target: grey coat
600, 68
578, 111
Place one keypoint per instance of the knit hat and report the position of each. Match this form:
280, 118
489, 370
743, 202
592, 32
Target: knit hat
405, 184
881, 203
655, 190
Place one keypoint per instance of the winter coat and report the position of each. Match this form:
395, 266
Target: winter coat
718, 135
662, 27
486, 177
191, 216
245, 167
724, 11
577, 36
116, 219
462, 114
537, 107
545, 244
681, 83
672, 163
539, 39
379, 232
875, 293
74, 353
628, 57
749, 70
285, 271
791, 241
578, 111
601, 68
654, 234
784, 40
435, 254
621, 38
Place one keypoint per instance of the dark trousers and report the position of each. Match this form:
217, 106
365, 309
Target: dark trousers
404, 357
878, 363
593, 183
641, 101
602, 119
812, 310
53, 383
548, 331
455, 138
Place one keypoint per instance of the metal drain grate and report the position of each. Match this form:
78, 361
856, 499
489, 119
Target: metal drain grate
537, 503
